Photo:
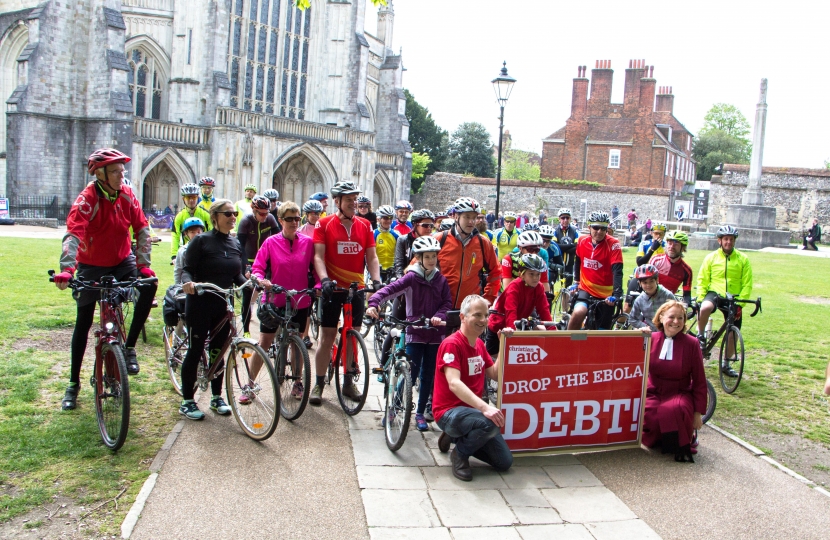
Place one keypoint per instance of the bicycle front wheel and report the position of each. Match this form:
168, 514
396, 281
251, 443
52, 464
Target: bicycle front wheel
620, 322
711, 402
175, 349
314, 324
253, 393
731, 359
352, 373
398, 410
112, 395
293, 374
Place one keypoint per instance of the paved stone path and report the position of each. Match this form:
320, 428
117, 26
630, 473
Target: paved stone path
412, 494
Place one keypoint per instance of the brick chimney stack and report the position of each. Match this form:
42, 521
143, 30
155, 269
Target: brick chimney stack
633, 74
665, 100
579, 101
601, 78
647, 86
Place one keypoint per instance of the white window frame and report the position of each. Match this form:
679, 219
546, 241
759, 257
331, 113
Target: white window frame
614, 154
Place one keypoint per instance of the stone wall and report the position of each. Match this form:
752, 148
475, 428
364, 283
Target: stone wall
441, 189
798, 195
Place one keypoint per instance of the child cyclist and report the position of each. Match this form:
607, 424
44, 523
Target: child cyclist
312, 210
427, 293
519, 299
190, 228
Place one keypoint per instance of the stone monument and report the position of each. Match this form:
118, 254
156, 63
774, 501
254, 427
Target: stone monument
756, 222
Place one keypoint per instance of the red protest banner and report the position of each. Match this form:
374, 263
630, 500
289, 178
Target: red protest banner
573, 391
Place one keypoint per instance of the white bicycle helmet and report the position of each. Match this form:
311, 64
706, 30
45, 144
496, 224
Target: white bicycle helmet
564, 212
728, 230
313, 206
403, 205
420, 215
344, 188
385, 211
271, 194
190, 189
529, 238
424, 244
510, 215
547, 231
466, 204
599, 218
446, 224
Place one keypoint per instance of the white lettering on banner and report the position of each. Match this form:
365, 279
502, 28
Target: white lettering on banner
591, 264
574, 379
555, 419
509, 410
581, 417
586, 421
525, 354
348, 248
608, 375
520, 387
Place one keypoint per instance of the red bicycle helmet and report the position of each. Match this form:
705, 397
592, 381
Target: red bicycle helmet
646, 271
103, 157
260, 203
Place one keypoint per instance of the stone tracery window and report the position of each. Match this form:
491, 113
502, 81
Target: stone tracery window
268, 57
145, 82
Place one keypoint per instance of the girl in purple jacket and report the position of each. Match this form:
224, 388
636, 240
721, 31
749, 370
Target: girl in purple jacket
427, 293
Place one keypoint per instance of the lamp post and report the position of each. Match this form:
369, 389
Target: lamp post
503, 85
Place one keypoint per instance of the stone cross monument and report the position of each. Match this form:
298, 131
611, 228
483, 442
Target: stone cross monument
753, 195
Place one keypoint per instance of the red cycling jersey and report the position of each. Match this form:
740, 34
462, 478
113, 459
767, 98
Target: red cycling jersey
595, 276
345, 250
673, 274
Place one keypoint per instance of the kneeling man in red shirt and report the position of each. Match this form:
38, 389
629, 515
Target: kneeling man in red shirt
473, 425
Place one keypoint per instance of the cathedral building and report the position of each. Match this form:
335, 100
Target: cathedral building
637, 143
245, 91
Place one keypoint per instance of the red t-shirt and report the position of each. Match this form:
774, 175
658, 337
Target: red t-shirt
517, 302
595, 276
672, 275
455, 352
345, 251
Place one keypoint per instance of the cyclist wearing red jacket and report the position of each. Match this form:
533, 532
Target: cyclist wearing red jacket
598, 272
97, 243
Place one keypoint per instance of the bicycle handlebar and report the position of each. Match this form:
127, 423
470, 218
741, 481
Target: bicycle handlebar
532, 322
422, 323
201, 288
79, 284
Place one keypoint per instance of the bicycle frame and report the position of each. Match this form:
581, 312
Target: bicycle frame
338, 346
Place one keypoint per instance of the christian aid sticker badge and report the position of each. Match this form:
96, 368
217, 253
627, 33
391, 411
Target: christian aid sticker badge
475, 365
449, 358
348, 248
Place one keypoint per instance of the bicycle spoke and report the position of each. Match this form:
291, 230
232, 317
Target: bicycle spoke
252, 390
293, 373
112, 396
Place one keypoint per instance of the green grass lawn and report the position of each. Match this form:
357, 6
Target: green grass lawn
46, 452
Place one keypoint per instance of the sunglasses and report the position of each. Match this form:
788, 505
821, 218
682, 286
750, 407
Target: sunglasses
426, 225
532, 249
292, 219
510, 221
262, 214
229, 213
598, 228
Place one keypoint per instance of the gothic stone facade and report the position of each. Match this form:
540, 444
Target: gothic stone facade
245, 91
637, 143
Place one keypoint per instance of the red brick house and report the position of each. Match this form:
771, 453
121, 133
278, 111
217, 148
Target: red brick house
637, 143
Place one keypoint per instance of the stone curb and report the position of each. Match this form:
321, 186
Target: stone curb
762, 455
131, 519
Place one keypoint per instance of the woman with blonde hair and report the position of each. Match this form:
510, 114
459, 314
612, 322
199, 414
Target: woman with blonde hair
677, 393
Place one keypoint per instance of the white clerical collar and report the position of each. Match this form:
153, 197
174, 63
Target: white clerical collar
668, 348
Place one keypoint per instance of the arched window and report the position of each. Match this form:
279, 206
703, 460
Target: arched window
11, 45
146, 82
268, 57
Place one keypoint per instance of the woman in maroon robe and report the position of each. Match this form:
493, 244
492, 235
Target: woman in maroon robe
677, 394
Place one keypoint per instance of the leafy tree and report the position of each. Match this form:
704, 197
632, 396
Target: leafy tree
424, 134
470, 151
420, 162
726, 118
714, 147
519, 165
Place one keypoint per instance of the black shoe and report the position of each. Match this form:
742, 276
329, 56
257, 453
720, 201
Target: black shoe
307, 342
461, 466
444, 443
728, 371
132, 362
70, 397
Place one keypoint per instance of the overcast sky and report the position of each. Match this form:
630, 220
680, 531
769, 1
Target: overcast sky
708, 51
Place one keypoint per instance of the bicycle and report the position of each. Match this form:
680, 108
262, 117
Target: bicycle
619, 320
176, 341
560, 303
315, 317
352, 373
731, 337
109, 371
257, 413
287, 352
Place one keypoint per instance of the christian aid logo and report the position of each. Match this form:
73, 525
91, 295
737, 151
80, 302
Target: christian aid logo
348, 248
592, 264
525, 354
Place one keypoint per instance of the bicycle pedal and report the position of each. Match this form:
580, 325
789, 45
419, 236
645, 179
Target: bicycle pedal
377, 370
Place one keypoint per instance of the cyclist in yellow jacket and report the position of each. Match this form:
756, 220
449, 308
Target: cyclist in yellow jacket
386, 240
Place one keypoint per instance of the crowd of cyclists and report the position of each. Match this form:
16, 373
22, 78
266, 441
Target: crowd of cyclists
426, 262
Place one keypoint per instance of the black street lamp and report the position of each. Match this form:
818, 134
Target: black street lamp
503, 85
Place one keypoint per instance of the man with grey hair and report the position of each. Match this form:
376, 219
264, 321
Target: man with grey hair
473, 425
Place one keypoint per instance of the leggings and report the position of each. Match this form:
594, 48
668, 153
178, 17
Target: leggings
247, 294
202, 315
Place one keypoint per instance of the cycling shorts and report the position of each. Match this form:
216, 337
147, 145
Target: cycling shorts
334, 306
604, 312
720, 303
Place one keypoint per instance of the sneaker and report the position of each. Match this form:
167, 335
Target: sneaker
350, 391
390, 416
420, 423
702, 341
428, 413
246, 335
243, 400
728, 371
218, 405
70, 397
191, 410
316, 397
132, 361
297, 390
307, 343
